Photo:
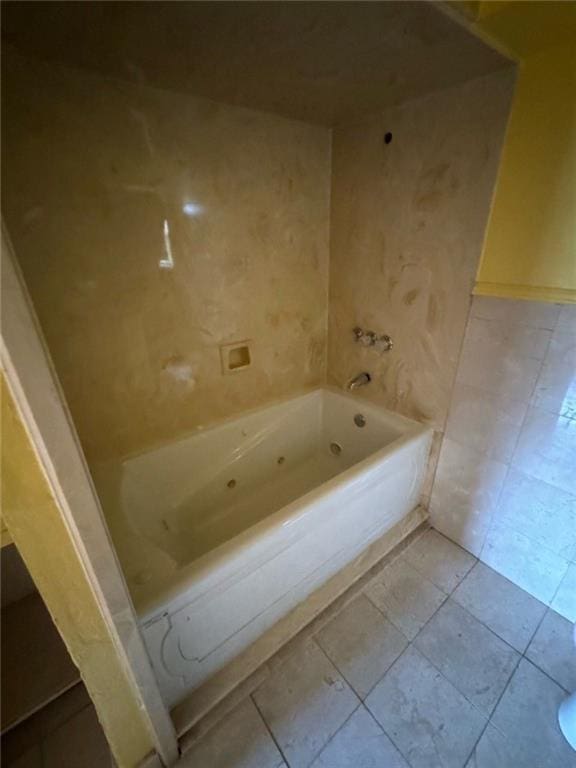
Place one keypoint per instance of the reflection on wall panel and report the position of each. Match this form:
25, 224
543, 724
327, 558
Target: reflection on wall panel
152, 228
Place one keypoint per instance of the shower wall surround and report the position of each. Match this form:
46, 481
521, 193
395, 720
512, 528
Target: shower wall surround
159, 227
153, 227
505, 486
407, 222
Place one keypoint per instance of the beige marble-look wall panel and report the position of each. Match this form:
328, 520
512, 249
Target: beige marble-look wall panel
505, 488
93, 168
407, 222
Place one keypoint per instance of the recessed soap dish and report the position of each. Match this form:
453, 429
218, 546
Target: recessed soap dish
235, 357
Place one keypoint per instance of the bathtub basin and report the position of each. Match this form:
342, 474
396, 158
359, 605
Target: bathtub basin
222, 533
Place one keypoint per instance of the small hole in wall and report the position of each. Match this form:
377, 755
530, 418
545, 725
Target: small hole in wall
231, 483
281, 460
387, 137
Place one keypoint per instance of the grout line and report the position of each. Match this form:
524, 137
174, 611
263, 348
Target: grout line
569, 563
336, 732
494, 708
543, 671
534, 664
510, 462
278, 747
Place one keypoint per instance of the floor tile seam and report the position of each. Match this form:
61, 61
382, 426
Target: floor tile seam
422, 576
365, 696
558, 587
409, 564
512, 583
547, 674
442, 589
518, 653
323, 652
266, 726
492, 723
485, 714
442, 675
381, 725
456, 544
335, 663
524, 655
489, 719
390, 619
493, 632
360, 701
475, 706
336, 732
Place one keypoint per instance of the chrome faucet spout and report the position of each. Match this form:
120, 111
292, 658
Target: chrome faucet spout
361, 380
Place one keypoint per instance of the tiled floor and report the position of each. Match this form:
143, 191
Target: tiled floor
438, 662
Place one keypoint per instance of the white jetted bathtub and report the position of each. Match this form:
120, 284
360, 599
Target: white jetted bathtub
224, 532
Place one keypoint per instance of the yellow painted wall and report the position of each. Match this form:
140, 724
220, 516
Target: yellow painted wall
530, 244
34, 521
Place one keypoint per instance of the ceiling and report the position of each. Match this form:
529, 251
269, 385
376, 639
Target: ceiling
322, 62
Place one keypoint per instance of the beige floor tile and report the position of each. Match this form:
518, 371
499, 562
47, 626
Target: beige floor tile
241, 740
495, 750
468, 654
362, 643
360, 743
505, 608
304, 703
443, 563
430, 722
527, 716
406, 597
78, 743
552, 650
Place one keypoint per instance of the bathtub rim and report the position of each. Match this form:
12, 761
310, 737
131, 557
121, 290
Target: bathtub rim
154, 605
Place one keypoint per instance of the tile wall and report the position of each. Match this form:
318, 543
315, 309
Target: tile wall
411, 190
157, 228
505, 487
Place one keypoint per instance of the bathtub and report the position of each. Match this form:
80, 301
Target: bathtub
224, 532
